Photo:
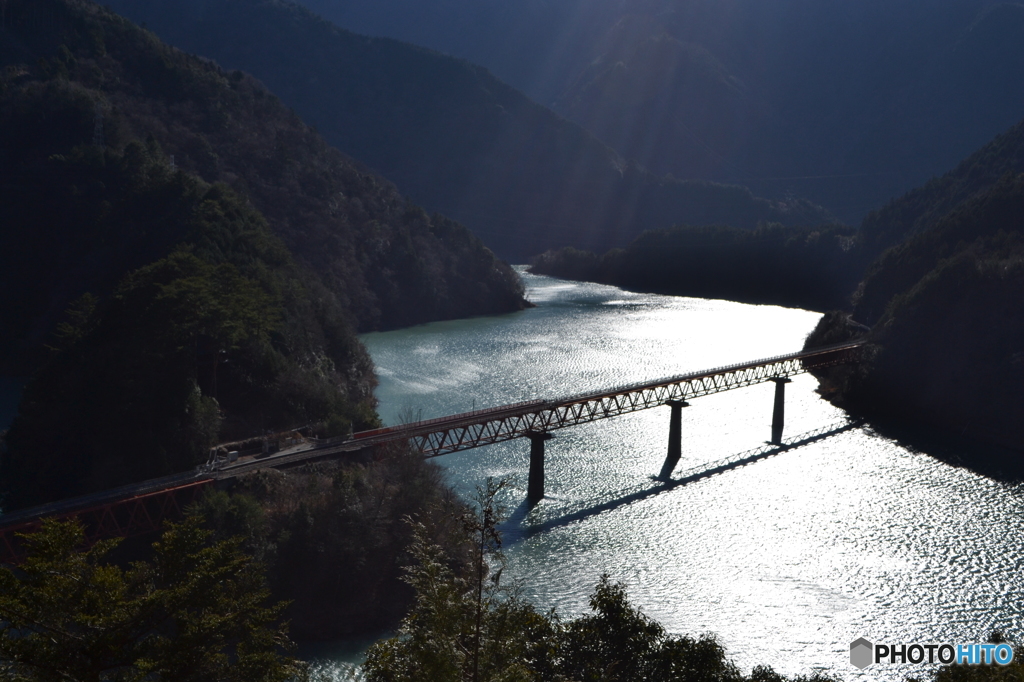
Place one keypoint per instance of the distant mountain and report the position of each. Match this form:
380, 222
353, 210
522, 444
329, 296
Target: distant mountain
183, 260
535, 45
657, 99
449, 134
846, 103
945, 303
351, 225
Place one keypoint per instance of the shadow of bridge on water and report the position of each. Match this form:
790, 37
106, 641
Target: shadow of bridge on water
518, 526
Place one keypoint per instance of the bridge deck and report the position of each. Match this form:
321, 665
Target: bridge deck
467, 430
443, 435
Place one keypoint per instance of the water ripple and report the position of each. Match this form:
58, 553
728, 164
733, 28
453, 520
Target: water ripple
788, 558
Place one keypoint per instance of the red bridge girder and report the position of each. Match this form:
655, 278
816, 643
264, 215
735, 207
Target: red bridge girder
141, 508
126, 517
444, 435
585, 408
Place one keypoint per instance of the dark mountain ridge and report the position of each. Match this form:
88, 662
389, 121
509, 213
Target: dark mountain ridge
916, 229
811, 268
845, 103
351, 226
452, 136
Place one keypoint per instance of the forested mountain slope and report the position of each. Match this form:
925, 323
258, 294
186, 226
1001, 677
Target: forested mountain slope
916, 215
449, 134
946, 302
183, 259
351, 225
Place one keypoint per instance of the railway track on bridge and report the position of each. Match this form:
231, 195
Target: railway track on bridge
467, 430
140, 507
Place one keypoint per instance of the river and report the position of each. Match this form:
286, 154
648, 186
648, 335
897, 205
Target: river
787, 560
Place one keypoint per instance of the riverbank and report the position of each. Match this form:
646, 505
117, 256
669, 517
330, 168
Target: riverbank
809, 268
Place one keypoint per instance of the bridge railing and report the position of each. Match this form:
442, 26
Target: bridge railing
413, 430
641, 385
501, 414
623, 388
121, 512
459, 416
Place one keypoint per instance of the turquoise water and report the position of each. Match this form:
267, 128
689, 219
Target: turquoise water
788, 559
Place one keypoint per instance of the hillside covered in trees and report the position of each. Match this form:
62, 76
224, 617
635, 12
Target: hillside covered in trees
184, 260
944, 303
452, 136
335, 537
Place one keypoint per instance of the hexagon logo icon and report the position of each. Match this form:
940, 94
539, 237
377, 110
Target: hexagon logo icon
860, 653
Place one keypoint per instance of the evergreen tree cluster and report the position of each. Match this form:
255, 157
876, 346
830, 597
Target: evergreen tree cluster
196, 612
333, 536
772, 264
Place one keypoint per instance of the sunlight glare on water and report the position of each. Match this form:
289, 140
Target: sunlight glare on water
787, 559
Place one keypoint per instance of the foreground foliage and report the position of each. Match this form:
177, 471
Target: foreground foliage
472, 627
196, 612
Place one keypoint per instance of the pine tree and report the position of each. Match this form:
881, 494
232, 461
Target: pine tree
197, 612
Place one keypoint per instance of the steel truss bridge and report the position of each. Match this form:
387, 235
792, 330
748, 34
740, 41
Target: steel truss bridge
141, 508
462, 432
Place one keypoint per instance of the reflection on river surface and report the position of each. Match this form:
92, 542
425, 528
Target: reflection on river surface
788, 559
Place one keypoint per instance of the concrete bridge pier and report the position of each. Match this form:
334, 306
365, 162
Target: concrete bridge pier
675, 438
779, 413
535, 488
